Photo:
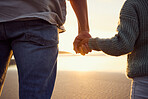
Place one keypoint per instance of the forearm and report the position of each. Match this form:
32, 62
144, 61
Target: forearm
108, 46
80, 9
120, 44
128, 33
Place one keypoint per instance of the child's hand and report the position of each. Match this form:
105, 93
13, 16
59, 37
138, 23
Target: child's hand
79, 39
84, 48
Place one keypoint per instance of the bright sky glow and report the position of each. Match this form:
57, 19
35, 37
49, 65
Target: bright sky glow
103, 20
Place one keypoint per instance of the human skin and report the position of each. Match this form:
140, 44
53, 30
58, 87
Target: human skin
80, 9
84, 46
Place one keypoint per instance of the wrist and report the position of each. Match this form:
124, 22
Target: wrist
83, 32
83, 29
93, 44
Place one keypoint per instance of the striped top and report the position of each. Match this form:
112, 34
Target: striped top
132, 38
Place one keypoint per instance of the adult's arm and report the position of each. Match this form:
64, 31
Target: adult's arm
80, 9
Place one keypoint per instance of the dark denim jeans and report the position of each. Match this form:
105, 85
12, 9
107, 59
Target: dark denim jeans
139, 88
34, 45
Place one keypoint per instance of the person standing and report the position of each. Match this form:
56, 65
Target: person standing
132, 39
29, 28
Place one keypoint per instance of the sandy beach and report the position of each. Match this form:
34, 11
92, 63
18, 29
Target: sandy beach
78, 85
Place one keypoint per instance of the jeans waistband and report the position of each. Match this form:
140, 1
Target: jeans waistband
29, 22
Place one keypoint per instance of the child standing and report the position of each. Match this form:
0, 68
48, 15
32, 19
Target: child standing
132, 39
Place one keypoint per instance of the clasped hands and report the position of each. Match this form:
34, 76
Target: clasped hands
81, 43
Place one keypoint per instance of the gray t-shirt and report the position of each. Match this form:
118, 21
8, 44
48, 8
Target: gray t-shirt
53, 11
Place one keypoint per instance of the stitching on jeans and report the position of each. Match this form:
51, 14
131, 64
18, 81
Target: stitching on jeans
41, 41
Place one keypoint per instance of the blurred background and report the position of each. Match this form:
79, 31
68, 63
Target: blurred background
94, 76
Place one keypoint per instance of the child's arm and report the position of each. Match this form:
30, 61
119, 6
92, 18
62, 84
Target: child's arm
124, 41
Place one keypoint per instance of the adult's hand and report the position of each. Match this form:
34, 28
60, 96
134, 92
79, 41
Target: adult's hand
78, 39
84, 48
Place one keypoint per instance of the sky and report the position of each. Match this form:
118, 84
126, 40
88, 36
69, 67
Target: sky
103, 21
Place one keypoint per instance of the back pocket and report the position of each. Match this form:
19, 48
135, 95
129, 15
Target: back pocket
43, 36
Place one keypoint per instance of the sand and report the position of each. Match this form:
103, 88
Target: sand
78, 85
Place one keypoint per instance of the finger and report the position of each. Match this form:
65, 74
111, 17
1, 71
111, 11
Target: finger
78, 39
76, 45
81, 51
85, 50
76, 48
86, 45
